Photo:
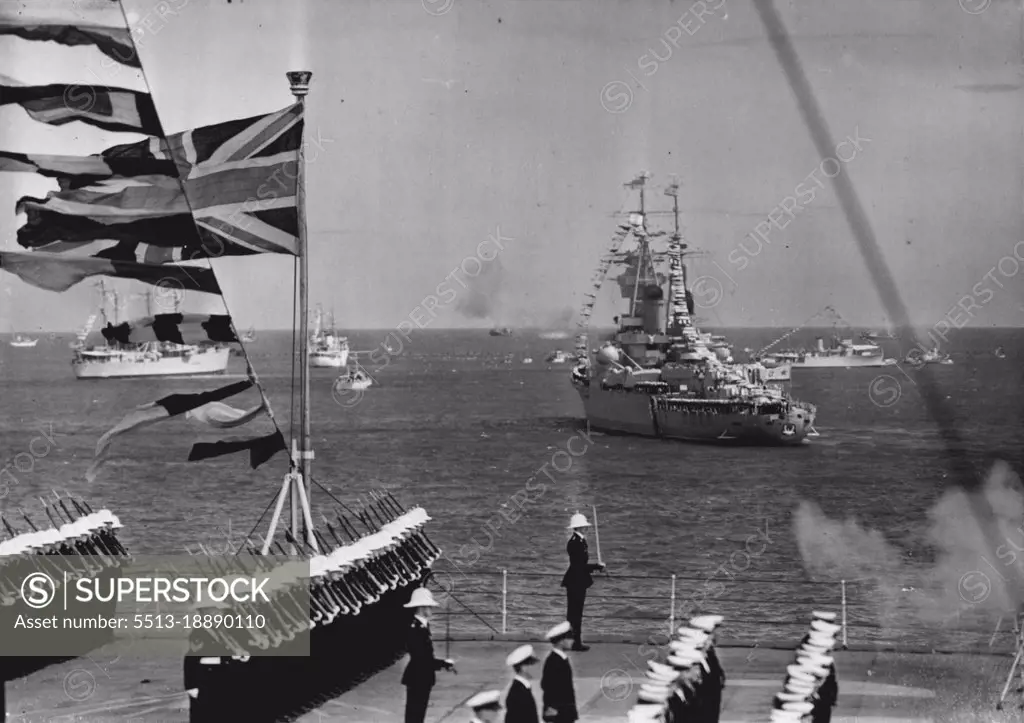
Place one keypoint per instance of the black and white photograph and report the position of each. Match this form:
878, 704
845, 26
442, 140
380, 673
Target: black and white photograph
508, 361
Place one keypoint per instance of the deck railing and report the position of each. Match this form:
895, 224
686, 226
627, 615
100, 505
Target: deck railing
762, 611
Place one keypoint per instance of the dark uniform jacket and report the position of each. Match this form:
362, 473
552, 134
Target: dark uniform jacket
829, 690
558, 691
423, 666
578, 574
520, 707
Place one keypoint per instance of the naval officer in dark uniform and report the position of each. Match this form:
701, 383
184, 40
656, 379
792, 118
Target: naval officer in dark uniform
420, 673
577, 578
520, 706
559, 694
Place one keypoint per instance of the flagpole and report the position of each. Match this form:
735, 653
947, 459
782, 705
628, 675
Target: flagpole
299, 82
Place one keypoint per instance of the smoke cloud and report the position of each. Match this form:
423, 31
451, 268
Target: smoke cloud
964, 577
482, 300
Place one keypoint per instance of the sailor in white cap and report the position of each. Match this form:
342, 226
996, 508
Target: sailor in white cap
559, 694
520, 707
421, 672
820, 640
714, 682
578, 578
485, 706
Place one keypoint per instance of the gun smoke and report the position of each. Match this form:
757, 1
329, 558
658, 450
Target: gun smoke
965, 579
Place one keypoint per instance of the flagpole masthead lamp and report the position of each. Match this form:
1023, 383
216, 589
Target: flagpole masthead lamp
299, 82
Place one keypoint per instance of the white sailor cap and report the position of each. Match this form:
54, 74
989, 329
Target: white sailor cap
814, 646
790, 697
661, 668
489, 699
707, 623
823, 627
784, 716
818, 672
683, 660
645, 713
698, 637
815, 658
663, 678
558, 632
521, 655
799, 686
802, 707
652, 696
421, 598
825, 616
797, 672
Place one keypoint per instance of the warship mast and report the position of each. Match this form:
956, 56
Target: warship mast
638, 183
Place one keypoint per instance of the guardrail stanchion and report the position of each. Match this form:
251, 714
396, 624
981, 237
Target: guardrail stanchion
504, 602
672, 611
842, 584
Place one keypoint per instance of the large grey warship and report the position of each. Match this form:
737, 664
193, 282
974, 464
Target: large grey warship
659, 377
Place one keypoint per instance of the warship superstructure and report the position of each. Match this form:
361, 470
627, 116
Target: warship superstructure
660, 376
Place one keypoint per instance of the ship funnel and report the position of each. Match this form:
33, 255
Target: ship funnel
654, 309
821, 344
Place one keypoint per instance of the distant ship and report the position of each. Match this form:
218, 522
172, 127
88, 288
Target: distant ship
916, 357
558, 357
118, 357
326, 348
554, 335
658, 377
22, 342
843, 353
501, 331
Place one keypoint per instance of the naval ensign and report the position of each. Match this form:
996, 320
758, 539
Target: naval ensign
578, 578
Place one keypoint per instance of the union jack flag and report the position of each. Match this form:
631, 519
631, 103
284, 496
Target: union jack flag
239, 179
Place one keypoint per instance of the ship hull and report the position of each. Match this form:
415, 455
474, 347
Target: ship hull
131, 365
329, 360
625, 412
842, 362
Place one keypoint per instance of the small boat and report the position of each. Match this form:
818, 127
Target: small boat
355, 380
22, 342
501, 331
557, 357
1000, 353
527, 360
917, 357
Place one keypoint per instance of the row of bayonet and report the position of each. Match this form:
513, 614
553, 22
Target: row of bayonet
86, 541
359, 570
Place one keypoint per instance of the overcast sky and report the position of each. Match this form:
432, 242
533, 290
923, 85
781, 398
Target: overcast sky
442, 121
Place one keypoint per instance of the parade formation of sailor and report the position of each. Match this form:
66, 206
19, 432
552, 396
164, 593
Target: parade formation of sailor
688, 687
578, 579
89, 542
558, 692
421, 672
811, 689
351, 576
